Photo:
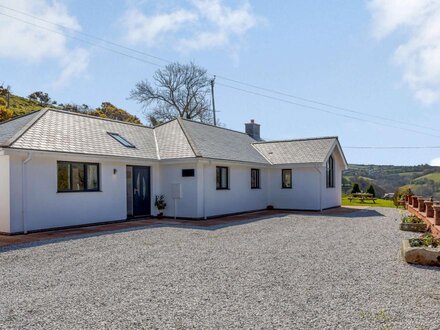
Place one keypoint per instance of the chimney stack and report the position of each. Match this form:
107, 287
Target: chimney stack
253, 130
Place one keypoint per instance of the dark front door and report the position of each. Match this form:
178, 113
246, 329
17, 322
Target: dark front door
141, 191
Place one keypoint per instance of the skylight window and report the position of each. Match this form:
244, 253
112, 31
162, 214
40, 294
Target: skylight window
121, 140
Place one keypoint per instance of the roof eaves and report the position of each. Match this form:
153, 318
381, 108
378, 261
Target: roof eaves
81, 153
342, 153
26, 127
296, 140
188, 137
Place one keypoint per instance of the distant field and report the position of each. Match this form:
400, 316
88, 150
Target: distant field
433, 176
379, 203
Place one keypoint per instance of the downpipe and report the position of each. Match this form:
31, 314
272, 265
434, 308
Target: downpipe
320, 188
23, 191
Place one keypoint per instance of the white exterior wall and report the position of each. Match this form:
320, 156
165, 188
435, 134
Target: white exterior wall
4, 195
239, 197
187, 206
45, 208
332, 197
304, 194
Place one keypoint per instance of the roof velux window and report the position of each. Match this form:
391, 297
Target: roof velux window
121, 140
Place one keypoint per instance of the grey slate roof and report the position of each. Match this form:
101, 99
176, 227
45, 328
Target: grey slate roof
219, 143
172, 142
74, 133
62, 131
296, 151
12, 127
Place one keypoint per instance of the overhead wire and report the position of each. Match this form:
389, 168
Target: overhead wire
221, 77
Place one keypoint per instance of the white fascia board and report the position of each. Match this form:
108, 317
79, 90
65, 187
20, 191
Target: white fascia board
298, 165
216, 161
122, 159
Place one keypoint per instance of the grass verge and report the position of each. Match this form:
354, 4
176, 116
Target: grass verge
379, 203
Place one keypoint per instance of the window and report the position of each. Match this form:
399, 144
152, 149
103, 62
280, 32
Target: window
286, 177
121, 140
222, 177
330, 173
188, 172
255, 178
78, 177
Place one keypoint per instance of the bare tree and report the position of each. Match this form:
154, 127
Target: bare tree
179, 90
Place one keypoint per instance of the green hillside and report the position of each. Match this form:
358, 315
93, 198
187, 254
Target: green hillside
432, 176
13, 105
21, 106
422, 179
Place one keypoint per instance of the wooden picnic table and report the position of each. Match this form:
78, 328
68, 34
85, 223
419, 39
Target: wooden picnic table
362, 197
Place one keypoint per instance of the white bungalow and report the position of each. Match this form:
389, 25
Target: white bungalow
62, 169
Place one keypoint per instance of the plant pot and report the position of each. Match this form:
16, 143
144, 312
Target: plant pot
421, 202
436, 208
414, 227
415, 201
420, 255
269, 207
160, 215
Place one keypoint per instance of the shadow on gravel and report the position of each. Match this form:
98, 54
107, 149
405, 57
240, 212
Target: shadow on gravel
434, 268
361, 214
349, 213
42, 242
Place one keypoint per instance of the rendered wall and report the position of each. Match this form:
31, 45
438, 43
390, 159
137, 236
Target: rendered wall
332, 196
4, 195
239, 197
46, 208
304, 194
187, 206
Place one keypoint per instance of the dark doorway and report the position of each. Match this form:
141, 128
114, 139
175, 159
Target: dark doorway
141, 191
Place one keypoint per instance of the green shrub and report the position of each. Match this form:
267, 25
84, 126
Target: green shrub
371, 191
355, 188
400, 194
411, 219
426, 240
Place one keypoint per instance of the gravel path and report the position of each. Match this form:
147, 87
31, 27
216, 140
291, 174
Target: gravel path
296, 272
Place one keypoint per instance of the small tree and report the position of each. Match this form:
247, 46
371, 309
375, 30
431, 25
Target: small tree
42, 98
355, 189
371, 191
72, 107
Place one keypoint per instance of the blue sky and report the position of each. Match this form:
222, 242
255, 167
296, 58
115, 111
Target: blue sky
377, 57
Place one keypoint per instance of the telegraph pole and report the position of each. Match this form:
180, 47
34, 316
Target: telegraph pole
213, 101
8, 96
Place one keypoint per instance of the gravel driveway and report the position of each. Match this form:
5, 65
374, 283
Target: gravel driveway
296, 272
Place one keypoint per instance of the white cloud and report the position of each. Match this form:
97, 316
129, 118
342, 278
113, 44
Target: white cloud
204, 24
21, 41
435, 162
148, 29
419, 54
73, 64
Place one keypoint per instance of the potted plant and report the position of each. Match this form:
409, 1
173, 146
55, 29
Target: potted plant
423, 250
412, 223
160, 205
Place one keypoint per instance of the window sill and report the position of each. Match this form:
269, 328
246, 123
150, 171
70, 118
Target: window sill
222, 189
255, 188
286, 187
77, 191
